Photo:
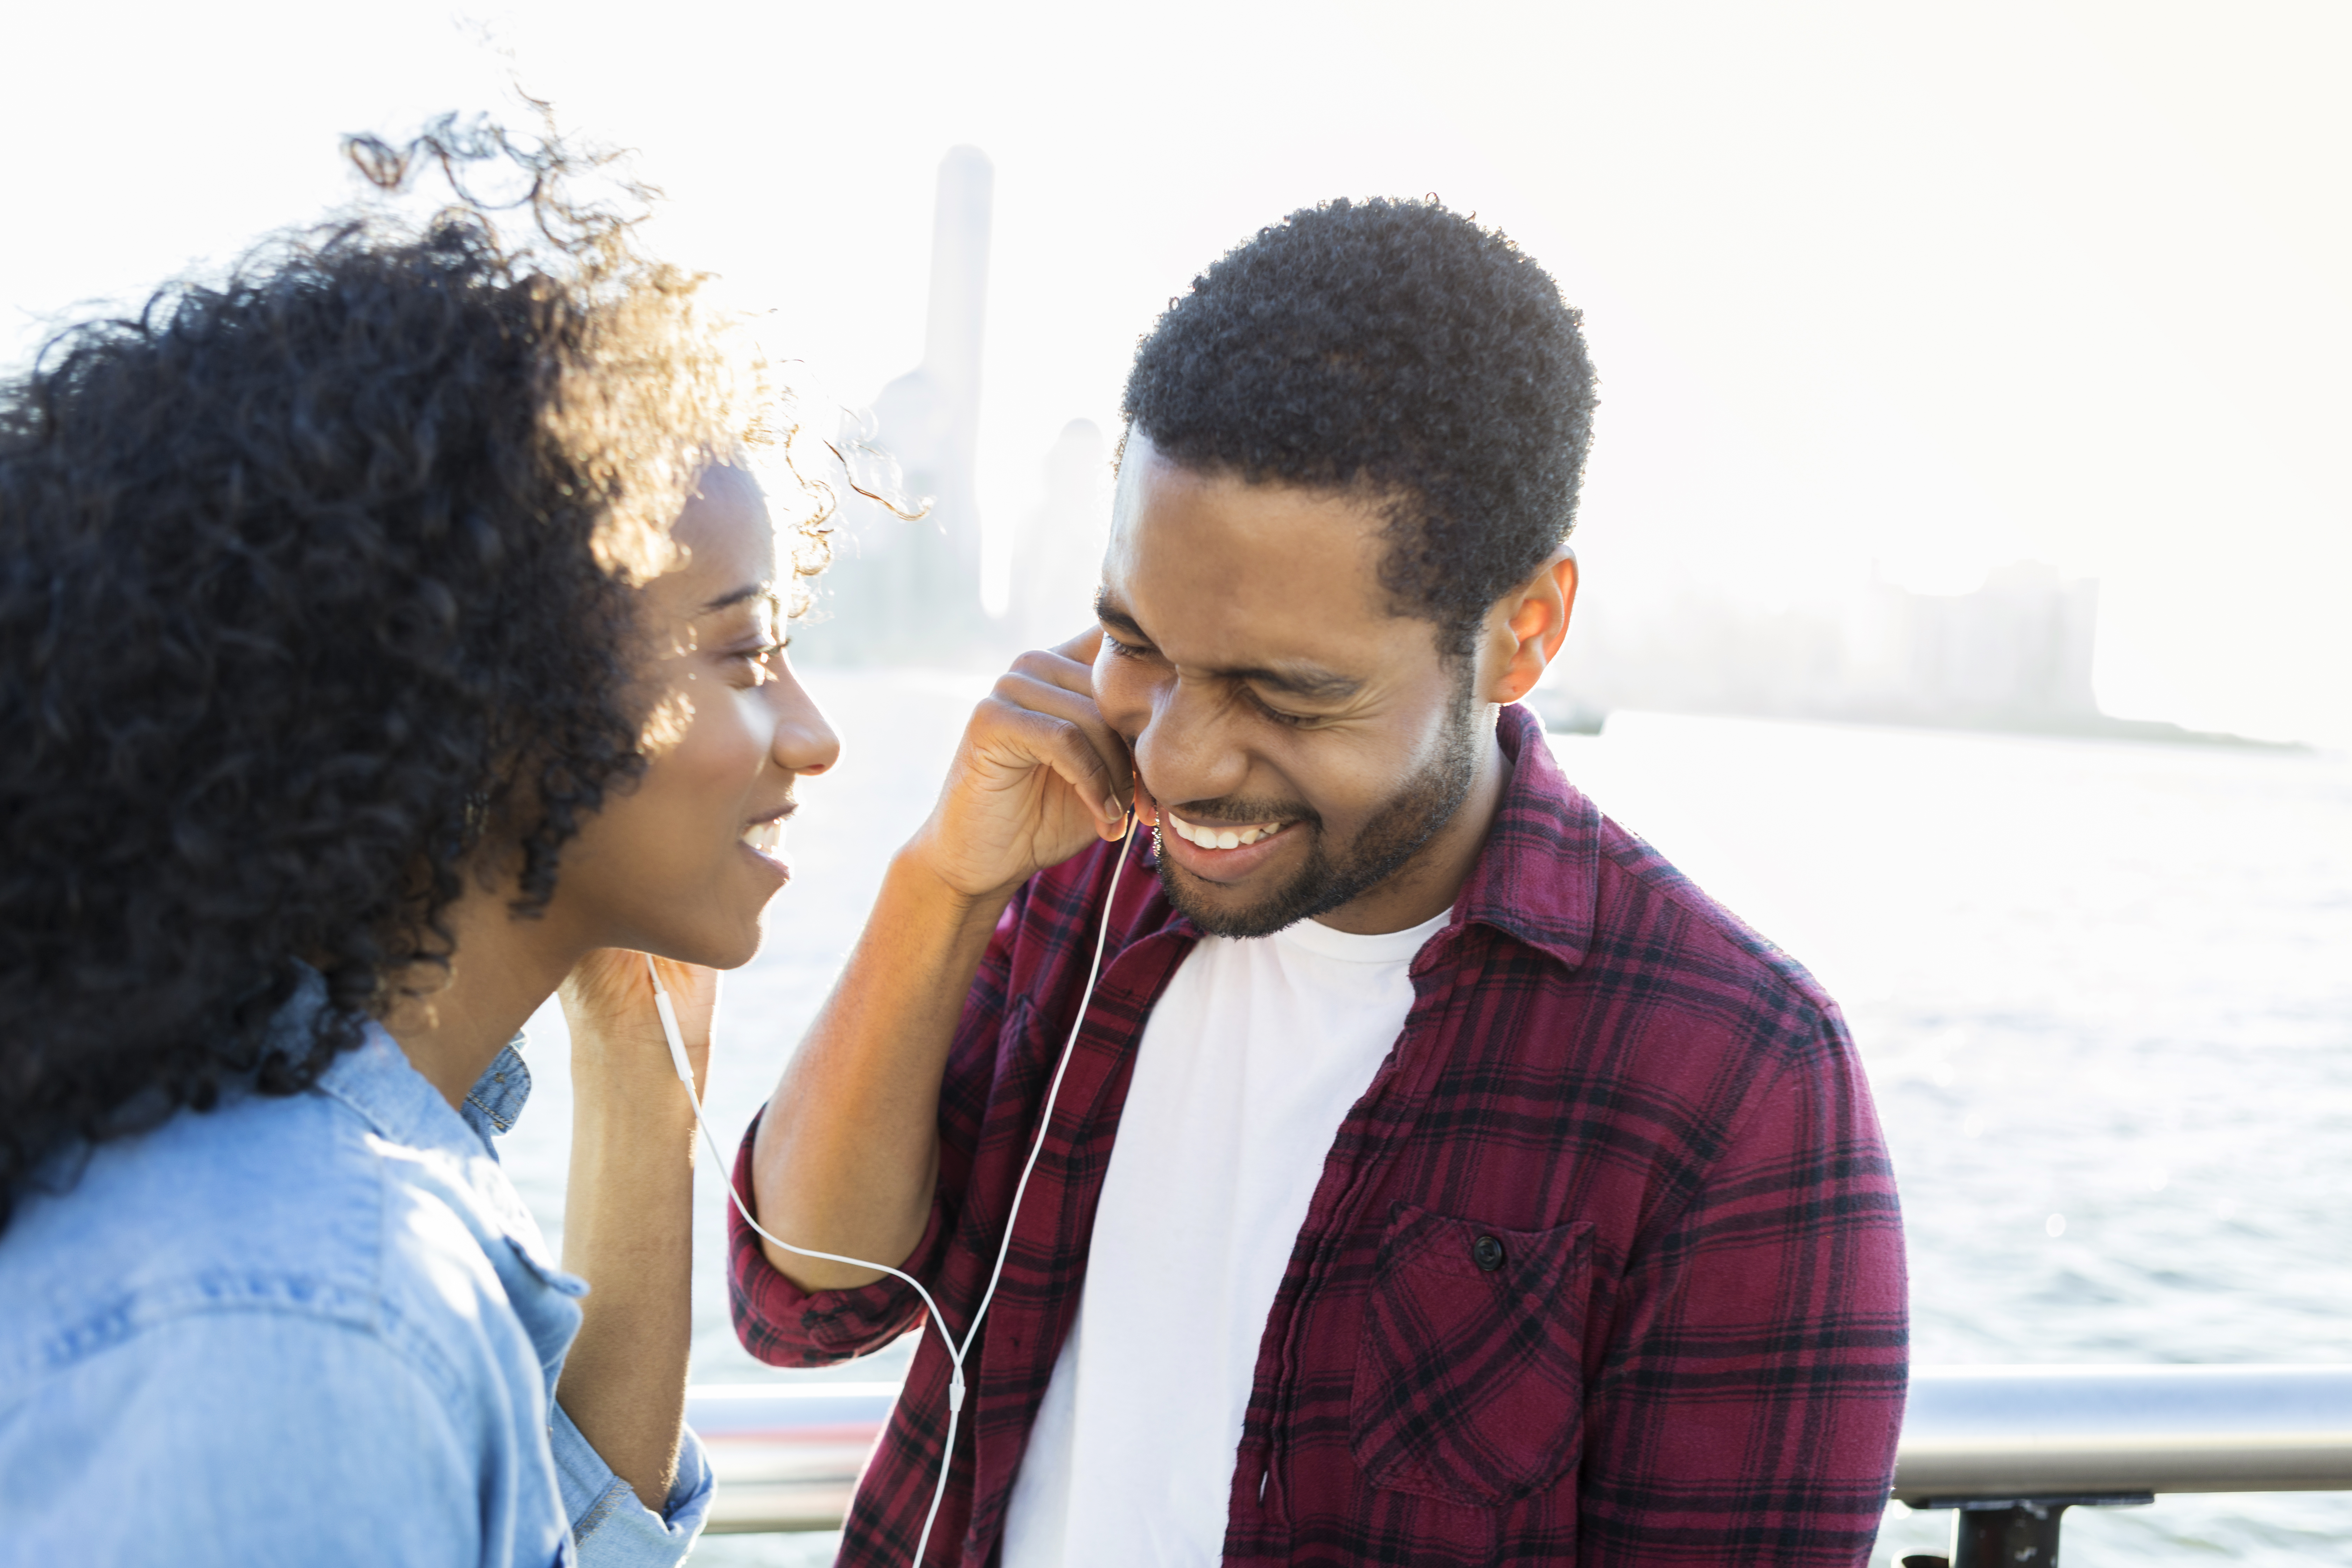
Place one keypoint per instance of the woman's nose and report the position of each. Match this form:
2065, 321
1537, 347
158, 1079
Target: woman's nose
805, 744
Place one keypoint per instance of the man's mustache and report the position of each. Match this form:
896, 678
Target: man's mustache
1240, 811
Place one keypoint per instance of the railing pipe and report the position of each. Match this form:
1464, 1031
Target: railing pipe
1988, 1441
2084, 1431
786, 1455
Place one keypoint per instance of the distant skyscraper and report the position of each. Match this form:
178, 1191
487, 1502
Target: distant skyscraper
1058, 549
2017, 650
2015, 654
909, 592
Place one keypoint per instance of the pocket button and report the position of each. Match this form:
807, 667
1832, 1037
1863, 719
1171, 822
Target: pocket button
1487, 1253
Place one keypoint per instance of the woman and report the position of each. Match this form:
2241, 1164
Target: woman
380, 650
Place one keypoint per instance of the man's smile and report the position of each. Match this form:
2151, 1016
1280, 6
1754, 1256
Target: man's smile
1223, 835
1225, 852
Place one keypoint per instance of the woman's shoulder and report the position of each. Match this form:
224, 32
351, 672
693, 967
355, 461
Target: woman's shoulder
281, 1278
361, 1201
236, 1311
264, 1203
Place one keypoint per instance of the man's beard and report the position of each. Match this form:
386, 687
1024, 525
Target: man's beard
1396, 832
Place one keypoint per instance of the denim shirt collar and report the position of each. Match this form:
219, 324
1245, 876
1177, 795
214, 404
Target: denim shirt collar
498, 1096
377, 1080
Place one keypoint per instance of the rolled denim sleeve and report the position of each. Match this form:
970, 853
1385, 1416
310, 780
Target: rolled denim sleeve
610, 1526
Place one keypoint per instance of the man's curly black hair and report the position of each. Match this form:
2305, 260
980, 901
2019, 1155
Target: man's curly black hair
1399, 347
316, 598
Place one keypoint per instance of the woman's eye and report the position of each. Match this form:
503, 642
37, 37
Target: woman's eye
758, 659
1119, 649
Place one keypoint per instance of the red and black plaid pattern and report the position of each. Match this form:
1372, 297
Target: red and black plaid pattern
1605, 1269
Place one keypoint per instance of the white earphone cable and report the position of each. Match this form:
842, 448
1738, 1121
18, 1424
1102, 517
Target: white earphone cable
956, 1352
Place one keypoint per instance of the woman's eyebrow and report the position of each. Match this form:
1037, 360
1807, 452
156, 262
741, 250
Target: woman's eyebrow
733, 597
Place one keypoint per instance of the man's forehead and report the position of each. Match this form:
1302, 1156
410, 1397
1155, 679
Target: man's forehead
1231, 560
1148, 476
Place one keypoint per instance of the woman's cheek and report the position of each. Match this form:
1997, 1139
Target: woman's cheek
723, 753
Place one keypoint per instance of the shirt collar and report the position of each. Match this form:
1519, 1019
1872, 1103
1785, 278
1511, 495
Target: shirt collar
376, 1081
498, 1096
400, 1106
1537, 877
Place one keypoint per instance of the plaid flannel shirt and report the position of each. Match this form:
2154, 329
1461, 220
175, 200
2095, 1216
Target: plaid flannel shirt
1689, 1348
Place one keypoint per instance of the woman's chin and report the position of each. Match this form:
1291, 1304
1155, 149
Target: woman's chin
718, 926
733, 949
713, 945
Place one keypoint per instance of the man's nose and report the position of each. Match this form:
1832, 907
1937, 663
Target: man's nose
1187, 750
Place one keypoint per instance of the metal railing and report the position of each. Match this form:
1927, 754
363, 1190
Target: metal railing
786, 1455
2008, 1449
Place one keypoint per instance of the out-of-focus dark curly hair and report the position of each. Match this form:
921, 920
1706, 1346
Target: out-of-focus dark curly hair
1398, 347
316, 598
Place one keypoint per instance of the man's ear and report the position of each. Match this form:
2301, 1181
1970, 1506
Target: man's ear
1531, 625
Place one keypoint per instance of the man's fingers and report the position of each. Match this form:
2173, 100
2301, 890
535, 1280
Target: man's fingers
1055, 666
1035, 693
1063, 745
1082, 648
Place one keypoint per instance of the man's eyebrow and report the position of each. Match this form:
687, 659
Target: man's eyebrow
1112, 616
1305, 680
1300, 680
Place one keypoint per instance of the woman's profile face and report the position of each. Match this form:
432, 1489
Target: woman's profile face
682, 865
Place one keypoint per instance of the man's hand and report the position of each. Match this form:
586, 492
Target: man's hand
847, 1154
1037, 777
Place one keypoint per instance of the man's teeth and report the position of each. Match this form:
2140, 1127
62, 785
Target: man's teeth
1212, 838
767, 838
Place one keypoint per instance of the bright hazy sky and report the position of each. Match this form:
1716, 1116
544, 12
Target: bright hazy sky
1941, 286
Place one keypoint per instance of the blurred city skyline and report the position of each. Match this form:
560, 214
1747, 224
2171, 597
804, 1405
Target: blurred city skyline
1939, 289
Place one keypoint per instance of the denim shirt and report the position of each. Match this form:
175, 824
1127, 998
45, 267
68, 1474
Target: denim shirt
320, 1327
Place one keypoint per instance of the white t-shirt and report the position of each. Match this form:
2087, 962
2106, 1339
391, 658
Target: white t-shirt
1254, 1055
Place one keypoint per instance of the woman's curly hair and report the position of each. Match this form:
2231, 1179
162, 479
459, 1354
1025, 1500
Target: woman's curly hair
316, 588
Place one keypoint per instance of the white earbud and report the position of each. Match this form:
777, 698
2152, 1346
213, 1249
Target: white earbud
956, 1352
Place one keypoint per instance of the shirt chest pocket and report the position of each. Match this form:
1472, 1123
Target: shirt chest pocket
1469, 1378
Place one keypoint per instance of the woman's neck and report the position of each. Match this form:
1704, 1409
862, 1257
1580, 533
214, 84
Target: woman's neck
499, 972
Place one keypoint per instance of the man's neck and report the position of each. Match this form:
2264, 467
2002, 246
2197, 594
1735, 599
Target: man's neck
1428, 884
501, 972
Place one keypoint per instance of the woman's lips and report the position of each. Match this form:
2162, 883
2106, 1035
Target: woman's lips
765, 840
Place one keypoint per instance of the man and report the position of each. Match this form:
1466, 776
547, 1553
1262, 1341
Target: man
1437, 1176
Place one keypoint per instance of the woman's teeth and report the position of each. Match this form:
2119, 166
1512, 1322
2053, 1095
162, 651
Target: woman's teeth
767, 838
1214, 838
